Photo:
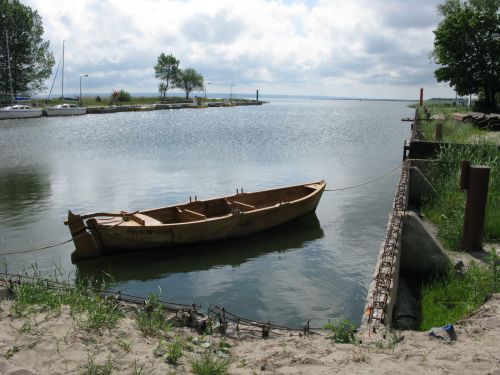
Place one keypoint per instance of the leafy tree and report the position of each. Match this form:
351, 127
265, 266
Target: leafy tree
188, 80
467, 45
31, 61
166, 69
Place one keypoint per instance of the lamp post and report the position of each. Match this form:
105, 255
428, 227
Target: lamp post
81, 99
208, 83
231, 95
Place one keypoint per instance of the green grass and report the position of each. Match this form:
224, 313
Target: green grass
453, 131
452, 296
45, 295
209, 364
343, 331
446, 209
151, 319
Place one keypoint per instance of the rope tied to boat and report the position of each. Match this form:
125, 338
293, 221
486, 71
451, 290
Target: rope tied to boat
36, 249
369, 181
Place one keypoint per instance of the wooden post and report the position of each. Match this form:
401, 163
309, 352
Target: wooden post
475, 179
257, 96
421, 97
439, 133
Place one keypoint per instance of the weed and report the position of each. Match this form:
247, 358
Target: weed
92, 368
209, 364
448, 298
343, 331
123, 345
151, 319
12, 351
174, 352
138, 369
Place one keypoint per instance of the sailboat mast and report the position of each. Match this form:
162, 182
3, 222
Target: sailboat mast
62, 76
8, 67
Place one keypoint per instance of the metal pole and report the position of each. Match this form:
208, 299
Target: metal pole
257, 96
62, 76
81, 98
8, 65
439, 133
475, 179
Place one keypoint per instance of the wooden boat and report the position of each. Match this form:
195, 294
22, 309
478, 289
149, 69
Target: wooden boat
194, 222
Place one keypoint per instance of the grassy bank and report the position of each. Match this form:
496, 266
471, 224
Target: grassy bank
453, 131
449, 297
454, 295
446, 209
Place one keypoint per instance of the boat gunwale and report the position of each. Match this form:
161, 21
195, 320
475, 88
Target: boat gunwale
322, 185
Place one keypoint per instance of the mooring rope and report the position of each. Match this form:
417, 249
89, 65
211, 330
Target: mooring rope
38, 248
367, 182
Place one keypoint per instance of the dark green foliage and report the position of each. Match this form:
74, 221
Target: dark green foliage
124, 96
343, 331
31, 61
98, 99
467, 47
188, 80
166, 69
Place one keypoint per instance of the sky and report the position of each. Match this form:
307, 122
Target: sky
345, 48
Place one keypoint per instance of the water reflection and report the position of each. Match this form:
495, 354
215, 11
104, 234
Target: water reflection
22, 190
157, 264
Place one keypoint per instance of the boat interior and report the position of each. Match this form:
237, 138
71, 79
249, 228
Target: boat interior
206, 209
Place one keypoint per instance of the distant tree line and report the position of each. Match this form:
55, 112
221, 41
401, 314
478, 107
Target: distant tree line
171, 76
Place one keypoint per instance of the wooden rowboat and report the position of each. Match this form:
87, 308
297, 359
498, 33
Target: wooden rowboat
195, 222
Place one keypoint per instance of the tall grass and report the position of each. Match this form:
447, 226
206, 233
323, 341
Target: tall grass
454, 295
49, 295
453, 131
446, 209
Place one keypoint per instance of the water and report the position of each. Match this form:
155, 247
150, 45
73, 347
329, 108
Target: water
318, 268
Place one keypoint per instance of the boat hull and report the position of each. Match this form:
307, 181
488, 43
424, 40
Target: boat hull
238, 219
66, 111
20, 113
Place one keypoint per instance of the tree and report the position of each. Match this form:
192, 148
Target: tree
188, 80
166, 69
467, 45
31, 61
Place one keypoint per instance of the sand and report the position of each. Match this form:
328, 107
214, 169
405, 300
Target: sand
55, 343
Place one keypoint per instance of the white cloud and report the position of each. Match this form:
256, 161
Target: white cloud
343, 48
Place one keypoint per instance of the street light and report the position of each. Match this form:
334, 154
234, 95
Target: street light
81, 99
208, 83
231, 96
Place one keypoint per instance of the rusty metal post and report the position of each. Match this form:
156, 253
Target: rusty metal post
421, 97
439, 133
475, 179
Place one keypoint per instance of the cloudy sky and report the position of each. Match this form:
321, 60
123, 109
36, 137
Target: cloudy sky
347, 48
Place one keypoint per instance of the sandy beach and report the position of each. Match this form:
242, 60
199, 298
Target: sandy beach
55, 343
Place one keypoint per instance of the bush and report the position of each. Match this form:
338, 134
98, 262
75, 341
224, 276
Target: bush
124, 96
98, 99
343, 331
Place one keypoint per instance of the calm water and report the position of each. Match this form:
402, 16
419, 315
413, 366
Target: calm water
317, 268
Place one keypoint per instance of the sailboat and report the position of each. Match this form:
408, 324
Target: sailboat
65, 109
18, 110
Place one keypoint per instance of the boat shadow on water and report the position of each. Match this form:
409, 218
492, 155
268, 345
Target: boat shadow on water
156, 264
